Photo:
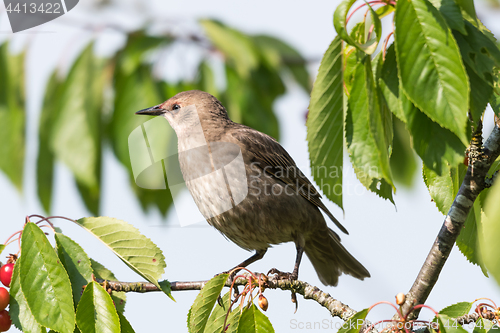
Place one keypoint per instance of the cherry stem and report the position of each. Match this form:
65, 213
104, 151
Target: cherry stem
374, 2
419, 306
379, 322
42, 218
239, 269
386, 41
389, 303
487, 299
47, 226
247, 290
228, 312
480, 306
383, 321
8, 239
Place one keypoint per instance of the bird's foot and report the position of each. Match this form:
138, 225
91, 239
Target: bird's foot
283, 275
287, 276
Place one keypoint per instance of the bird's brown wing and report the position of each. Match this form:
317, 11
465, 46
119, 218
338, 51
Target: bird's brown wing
271, 157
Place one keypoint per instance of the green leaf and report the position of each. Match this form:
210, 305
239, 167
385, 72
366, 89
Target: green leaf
19, 310
233, 322
450, 151
254, 321
235, 97
44, 282
207, 79
358, 33
440, 148
480, 55
403, 163
278, 54
389, 84
494, 329
467, 241
365, 133
385, 112
452, 14
489, 231
495, 97
456, 310
325, 123
354, 324
204, 303
135, 89
76, 137
101, 272
134, 92
339, 21
134, 249
480, 94
76, 262
478, 51
251, 102
136, 49
448, 324
351, 59
216, 321
125, 326
12, 115
468, 7
480, 326
493, 168
384, 11
2, 247
45, 161
430, 66
166, 288
95, 312
238, 48
443, 185
265, 86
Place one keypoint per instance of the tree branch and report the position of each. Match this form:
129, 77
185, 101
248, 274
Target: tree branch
335, 307
474, 317
480, 160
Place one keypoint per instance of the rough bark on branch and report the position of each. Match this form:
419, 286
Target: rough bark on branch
334, 306
480, 160
474, 317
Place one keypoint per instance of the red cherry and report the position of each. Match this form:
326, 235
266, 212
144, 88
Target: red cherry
4, 298
6, 274
5, 321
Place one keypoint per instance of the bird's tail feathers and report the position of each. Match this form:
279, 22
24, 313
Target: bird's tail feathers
330, 259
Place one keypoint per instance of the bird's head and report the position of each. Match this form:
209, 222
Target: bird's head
189, 109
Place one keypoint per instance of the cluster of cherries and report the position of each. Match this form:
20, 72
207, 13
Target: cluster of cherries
5, 277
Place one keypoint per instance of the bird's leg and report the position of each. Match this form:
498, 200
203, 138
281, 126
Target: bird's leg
295, 274
259, 254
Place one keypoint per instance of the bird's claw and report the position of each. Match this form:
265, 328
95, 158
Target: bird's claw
286, 276
283, 275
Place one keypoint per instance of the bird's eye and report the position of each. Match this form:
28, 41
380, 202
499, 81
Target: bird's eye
176, 107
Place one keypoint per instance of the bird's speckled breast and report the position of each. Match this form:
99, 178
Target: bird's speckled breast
270, 213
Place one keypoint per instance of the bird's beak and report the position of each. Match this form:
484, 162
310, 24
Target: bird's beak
152, 111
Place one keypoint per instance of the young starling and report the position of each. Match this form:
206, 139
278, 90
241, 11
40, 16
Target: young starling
272, 203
